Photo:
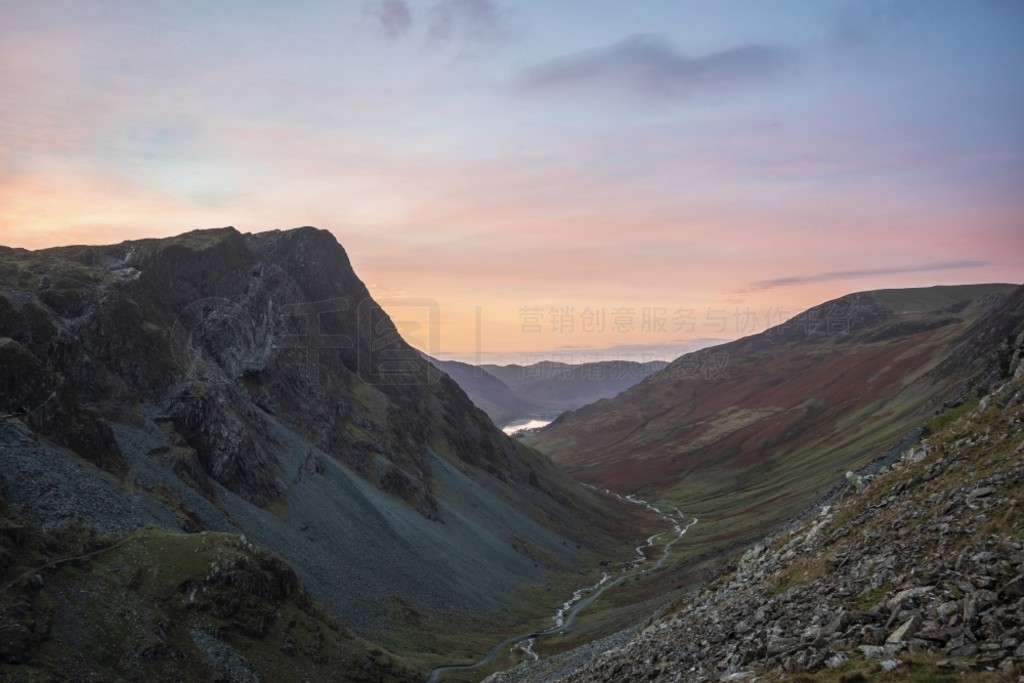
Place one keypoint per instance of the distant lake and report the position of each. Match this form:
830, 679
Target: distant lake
525, 424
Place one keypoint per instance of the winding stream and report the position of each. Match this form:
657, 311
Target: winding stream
566, 614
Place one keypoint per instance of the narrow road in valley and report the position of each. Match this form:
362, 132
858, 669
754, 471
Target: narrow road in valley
64, 560
566, 614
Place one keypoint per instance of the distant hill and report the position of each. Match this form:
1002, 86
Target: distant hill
881, 582
746, 434
490, 394
508, 393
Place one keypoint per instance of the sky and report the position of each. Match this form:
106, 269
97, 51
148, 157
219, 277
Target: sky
519, 179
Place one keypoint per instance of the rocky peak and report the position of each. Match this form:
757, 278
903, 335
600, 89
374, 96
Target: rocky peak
222, 331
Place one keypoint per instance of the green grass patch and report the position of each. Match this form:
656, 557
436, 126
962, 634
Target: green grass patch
870, 598
948, 417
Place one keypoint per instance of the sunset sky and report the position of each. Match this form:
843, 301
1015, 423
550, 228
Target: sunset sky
590, 179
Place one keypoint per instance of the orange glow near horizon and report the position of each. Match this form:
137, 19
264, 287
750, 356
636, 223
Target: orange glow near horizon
683, 204
577, 288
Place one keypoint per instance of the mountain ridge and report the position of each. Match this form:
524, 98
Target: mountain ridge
747, 439
248, 384
852, 318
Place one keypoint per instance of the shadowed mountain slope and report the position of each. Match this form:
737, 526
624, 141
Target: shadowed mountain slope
249, 384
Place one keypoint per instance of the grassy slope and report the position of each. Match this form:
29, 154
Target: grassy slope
980, 445
748, 449
763, 423
153, 604
916, 511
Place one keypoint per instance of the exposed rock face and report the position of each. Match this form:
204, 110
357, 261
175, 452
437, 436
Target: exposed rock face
275, 323
49, 405
922, 570
248, 383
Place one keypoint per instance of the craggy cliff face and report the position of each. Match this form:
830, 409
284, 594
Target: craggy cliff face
276, 323
248, 383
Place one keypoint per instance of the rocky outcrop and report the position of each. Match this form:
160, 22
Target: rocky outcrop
219, 329
47, 404
156, 605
